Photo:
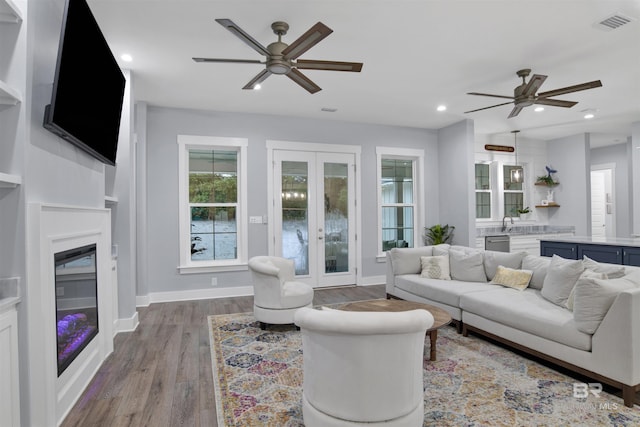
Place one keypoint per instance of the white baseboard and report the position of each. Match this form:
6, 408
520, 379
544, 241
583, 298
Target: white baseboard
373, 280
125, 325
194, 294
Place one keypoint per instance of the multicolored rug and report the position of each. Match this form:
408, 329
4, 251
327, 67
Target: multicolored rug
258, 382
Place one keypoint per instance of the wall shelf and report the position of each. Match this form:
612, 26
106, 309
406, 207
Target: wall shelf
8, 95
554, 205
9, 12
9, 181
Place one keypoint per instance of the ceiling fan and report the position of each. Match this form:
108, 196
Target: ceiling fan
282, 58
525, 94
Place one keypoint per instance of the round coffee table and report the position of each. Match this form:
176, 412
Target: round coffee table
440, 317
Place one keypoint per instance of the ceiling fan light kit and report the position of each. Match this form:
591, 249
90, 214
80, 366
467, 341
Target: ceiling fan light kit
282, 58
525, 95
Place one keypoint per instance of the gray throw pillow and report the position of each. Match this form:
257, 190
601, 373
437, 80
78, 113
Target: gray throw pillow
539, 266
594, 297
492, 259
612, 271
467, 267
562, 276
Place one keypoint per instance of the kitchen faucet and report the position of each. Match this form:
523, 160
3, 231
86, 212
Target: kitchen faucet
504, 225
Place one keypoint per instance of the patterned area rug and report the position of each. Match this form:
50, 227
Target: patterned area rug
258, 382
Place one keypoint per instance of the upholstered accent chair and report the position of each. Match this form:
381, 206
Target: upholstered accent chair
276, 294
363, 368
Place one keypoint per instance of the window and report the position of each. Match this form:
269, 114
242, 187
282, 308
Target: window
513, 192
212, 203
400, 201
483, 191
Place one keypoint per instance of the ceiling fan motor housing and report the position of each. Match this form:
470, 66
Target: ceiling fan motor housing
276, 63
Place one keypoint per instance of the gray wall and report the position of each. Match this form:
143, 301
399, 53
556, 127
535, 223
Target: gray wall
634, 159
163, 126
456, 181
618, 155
570, 157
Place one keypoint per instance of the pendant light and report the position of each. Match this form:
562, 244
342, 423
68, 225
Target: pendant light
517, 172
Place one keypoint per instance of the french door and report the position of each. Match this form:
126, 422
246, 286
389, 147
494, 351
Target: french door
314, 215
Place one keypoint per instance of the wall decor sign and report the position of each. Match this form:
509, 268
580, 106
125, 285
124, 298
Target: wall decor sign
505, 148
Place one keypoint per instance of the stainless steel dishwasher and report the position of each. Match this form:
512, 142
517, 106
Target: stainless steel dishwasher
500, 243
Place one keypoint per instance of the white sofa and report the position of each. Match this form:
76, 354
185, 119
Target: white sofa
607, 351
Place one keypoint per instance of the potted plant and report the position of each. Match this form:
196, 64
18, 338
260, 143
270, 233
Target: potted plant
523, 213
545, 180
438, 234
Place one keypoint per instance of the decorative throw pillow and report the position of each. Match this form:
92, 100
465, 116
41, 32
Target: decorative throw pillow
435, 267
493, 259
594, 297
612, 271
466, 267
562, 276
586, 274
539, 266
512, 278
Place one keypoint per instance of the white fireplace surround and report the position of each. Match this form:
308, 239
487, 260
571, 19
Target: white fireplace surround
52, 229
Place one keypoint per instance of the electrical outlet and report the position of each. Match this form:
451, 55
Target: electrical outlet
59, 291
214, 281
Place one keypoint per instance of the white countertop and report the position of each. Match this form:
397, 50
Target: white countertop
611, 241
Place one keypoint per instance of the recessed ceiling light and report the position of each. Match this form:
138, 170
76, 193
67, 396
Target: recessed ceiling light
126, 57
442, 108
589, 116
538, 109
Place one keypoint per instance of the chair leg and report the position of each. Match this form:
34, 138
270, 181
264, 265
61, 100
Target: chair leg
263, 326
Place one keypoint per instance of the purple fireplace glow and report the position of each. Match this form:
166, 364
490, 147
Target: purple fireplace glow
76, 302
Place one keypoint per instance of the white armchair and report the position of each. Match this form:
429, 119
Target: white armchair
276, 294
363, 368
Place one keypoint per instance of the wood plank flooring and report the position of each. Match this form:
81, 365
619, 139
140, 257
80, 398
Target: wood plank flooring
160, 374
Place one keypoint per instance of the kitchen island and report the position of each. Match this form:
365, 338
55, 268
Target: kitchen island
614, 250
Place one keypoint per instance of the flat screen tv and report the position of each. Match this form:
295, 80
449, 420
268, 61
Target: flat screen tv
88, 86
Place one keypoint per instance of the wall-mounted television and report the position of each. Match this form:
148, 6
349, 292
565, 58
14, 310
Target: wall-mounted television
88, 86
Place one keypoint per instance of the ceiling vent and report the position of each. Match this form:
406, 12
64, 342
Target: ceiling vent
613, 22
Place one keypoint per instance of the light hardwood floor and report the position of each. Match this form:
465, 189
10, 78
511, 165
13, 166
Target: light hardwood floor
160, 374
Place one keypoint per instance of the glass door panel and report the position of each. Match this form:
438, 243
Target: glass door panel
295, 214
336, 217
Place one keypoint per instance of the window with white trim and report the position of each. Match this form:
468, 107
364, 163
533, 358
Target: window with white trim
400, 201
513, 192
483, 190
212, 191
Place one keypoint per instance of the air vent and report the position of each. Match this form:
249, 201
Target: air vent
613, 22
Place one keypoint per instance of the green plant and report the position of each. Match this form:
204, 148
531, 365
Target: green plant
523, 210
545, 179
438, 234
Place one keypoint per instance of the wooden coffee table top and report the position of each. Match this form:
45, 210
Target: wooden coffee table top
441, 317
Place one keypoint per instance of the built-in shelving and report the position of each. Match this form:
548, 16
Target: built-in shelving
8, 95
9, 181
9, 12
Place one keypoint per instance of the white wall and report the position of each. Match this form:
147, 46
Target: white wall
634, 159
163, 126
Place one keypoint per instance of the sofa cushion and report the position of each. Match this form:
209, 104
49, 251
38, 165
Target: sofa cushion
593, 298
492, 259
407, 260
467, 266
562, 276
539, 266
529, 312
441, 249
435, 267
444, 291
512, 278
612, 271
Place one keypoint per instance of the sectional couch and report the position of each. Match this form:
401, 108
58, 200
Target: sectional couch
581, 315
